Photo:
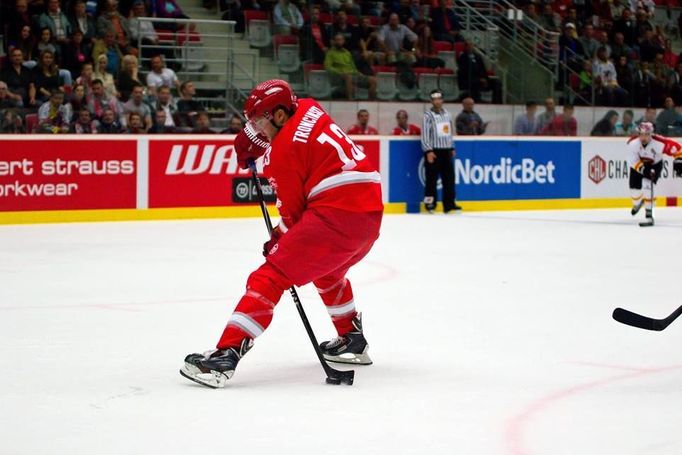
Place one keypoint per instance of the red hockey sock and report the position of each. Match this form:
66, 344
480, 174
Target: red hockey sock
255, 309
338, 298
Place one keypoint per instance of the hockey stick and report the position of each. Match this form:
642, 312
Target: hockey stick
637, 320
650, 222
333, 376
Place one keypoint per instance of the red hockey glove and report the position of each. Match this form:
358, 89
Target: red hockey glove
274, 238
249, 145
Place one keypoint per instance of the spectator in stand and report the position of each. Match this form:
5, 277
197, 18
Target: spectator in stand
80, 20
586, 79
45, 79
160, 124
546, 117
404, 128
56, 21
235, 125
649, 47
562, 125
661, 73
147, 33
137, 105
472, 76
17, 20
47, 43
648, 117
25, 43
349, 32
603, 40
548, 19
393, 38
54, 116
468, 122
615, 9
78, 100
134, 124
160, 76
644, 80
669, 56
526, 124
84, 123
76, 53
675, 84
203, 124
627, 27
665, 122
100, 101
588, 43
619, 48
368, 42
341, 67
7, 100
129, 77
626, 78
166, 103
627, 126
169, 9
188, 107
573, 18
446, 26
102, 73
606, 80
10, 122
314, 38
424, 50
86, 78
642, 24
570, 49
18, 78
606, 126
110, 20
287, 18
108, 123
362, 127
109, 48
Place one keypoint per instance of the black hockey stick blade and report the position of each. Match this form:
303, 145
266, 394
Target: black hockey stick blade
337, 377
643, 322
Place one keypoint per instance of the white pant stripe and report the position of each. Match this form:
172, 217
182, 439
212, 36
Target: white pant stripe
332, 287
344, 178
247, 324
340, 310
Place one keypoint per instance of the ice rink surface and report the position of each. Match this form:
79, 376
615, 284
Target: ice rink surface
491, 334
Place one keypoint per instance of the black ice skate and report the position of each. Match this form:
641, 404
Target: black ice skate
636, 208
350, 348
649, 219
214, 368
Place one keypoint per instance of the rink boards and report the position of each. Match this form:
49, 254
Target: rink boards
47, 178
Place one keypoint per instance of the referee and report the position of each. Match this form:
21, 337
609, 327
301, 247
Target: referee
438, 153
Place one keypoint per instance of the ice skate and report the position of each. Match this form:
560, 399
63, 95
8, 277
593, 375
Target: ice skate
214, 368
636, 208
351, 348
649, 219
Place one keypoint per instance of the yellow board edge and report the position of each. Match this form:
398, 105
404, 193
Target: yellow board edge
547, 204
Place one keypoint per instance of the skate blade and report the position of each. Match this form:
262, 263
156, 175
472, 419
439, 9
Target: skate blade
348, 358
213, 379
646, 223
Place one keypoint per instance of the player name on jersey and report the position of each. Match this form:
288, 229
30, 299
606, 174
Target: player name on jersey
308, 121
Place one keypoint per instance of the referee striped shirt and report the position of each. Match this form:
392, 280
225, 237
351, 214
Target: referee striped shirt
437, 129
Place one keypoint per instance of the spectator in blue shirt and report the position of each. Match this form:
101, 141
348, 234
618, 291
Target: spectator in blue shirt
287, 17
525, 124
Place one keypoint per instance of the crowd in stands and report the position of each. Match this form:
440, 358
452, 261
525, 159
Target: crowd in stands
72, 66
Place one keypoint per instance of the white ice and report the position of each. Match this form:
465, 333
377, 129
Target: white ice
491, 334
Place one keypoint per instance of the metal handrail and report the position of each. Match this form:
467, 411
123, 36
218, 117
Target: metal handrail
567, 71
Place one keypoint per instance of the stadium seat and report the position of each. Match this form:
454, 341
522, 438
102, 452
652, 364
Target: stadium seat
427, 80
191, 52
386, 82
447, 83
442, 46
288, 58
31, 122
449, 58
460, 47
326, 18
258, 28
374, 20
317, 81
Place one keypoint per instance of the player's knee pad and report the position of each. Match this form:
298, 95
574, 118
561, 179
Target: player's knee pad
635, 179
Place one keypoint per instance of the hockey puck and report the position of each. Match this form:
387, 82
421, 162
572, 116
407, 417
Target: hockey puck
334, 381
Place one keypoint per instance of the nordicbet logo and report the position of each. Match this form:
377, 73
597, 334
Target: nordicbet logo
506, 172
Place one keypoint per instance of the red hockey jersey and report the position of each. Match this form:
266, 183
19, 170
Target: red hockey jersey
313, 163
412, 130
357, 130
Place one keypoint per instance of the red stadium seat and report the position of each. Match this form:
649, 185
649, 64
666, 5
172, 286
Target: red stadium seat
326, 18
191, 37
31, 122
423, 70
442, 46
384, 69
460, 47
444, 71
353, 20
252, 14
278, 40
374, 20
574, 81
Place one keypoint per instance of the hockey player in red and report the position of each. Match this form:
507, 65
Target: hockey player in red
329, 199
646, 165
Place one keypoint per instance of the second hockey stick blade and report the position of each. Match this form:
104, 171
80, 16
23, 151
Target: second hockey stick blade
643, 322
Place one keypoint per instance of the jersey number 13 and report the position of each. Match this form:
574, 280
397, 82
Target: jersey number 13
348, 162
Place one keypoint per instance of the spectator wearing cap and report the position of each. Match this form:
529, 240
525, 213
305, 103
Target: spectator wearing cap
438, 149
80, 20
54, 116
340, 65
362, 127
468, 122
160, 76
403, 128
287, 17
393, 37
525, 124
570, 49
56, 21
84, 123
446, 26
562, 125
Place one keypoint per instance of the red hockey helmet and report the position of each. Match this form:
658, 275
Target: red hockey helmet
267, 96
